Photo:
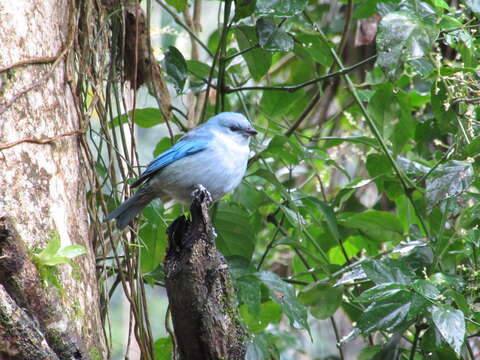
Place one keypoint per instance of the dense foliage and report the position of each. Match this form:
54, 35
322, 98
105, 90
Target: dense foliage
361, 195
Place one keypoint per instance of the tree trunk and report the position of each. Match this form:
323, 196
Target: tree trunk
200, 291
42, 191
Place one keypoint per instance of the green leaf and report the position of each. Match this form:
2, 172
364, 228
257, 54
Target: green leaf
451, 325
176, 68
380, 226
199, 69
244, 8
269, 313
323, 298
261, 347
384, 109
163, 349
275, 103
281, 8
145, 118
52, 247
389, 314
258, 60
153, 249
271, 38
284, 295
402, 37
179, 5
426, 288
234, 228
390, 271
249, 293
448, 181
316, 48
72, 251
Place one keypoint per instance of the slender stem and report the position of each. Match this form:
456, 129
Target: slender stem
292, 88
228, 58
270, 244
220, 98
304, 115
337, 337
415, 342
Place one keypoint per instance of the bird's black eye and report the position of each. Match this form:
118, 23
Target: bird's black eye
234, 128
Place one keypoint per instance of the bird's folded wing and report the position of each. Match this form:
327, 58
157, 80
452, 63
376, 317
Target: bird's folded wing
183, 148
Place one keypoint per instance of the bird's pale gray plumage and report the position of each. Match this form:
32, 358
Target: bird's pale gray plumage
214, 154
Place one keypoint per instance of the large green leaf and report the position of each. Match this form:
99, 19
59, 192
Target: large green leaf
389, 314
380, 226
258, 60
323, 298
284, 294
448, 181
176, 68
179, 5
385, 109
402, 37
275, 103
390, 271
281, 8
269, 313
316, 48
234, 228
144, 118
271, 37
451, 325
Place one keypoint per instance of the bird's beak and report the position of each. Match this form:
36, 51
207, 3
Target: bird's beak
251, 132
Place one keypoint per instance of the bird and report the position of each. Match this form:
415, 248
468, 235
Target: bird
213, 155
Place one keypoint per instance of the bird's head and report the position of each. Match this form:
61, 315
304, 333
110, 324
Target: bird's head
233, 124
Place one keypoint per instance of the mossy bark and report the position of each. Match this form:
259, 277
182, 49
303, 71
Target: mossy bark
202, 299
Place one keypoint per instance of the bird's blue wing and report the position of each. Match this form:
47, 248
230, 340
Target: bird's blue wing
185, 147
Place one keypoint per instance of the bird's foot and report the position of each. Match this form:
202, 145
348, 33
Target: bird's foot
201, 194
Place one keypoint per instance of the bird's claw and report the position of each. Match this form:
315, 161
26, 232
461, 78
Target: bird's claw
201, 194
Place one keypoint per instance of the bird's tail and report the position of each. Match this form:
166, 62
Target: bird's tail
129, 208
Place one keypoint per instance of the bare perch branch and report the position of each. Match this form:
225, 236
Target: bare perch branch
200, 291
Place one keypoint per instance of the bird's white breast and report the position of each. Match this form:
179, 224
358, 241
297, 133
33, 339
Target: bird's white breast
219, 168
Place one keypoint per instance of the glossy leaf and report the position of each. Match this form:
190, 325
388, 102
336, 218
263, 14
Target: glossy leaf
451, 325
280, 8
380, 226
323, 299
176, 68
271, 37
390, 271
402, 37
384, 109
258, 60
448, 181
284, 294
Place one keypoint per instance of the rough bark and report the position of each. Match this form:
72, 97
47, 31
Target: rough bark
200, 291
42, 190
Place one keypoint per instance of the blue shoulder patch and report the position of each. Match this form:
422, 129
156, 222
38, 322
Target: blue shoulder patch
181, 149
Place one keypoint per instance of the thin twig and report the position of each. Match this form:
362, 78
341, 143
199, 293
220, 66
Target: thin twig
41, 141
293, 88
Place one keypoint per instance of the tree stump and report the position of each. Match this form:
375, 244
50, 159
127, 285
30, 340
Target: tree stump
202, 299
